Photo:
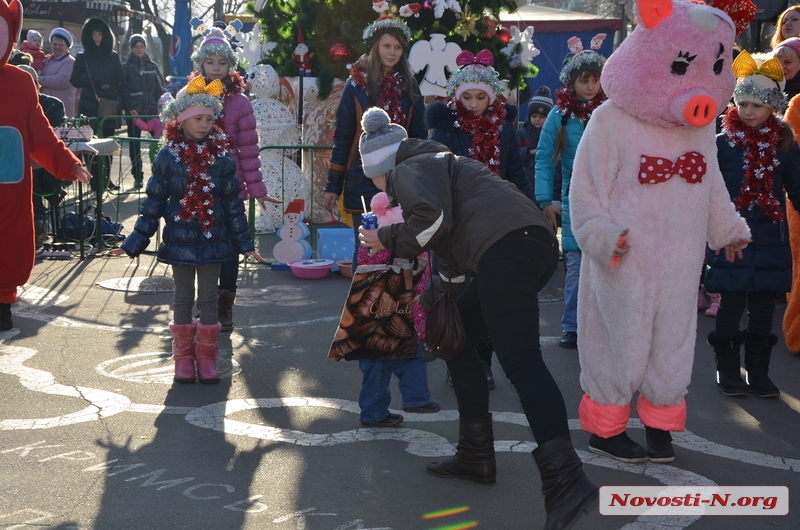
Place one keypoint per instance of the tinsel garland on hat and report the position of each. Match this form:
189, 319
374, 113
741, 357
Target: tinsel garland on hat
760, 148
391, 90
474, 74
484, 129
774, 98
197, 203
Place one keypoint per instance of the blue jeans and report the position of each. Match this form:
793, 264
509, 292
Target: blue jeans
375, 397
572, 262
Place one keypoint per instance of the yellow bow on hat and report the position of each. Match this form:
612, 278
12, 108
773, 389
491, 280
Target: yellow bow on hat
744, 65
198, 86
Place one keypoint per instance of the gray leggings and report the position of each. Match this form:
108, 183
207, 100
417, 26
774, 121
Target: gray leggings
207, 296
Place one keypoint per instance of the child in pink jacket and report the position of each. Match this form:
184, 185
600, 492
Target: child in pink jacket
216, 60
33, 45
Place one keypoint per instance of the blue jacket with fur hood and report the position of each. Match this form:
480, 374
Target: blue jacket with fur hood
440, 120
183, 243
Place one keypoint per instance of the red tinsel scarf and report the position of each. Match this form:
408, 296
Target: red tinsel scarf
760, 148
391, 91
572, 107
197, 203
484, 129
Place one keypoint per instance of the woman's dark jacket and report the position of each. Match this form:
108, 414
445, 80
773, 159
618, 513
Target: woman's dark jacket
767, 263
103, 66
441, 121
145, 84
183, 243
345, 173
451, 204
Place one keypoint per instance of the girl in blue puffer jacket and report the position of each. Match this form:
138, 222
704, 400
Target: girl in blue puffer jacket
195, 189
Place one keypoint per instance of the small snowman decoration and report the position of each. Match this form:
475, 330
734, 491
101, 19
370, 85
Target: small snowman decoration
293, 246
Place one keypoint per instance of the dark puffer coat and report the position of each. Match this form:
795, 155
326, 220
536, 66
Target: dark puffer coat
145, 84
183, 243
103, 65
440, 120
767, 263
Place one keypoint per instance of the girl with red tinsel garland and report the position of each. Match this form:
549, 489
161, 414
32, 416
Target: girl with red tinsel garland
475, 123
216, 60
194, 188
381, 78
759, 160
558, 142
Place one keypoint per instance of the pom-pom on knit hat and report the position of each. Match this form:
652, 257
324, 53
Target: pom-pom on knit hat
475, 71
577, 63
215, 43
541, 103
199, 98
387, 24
759, 81
379, 142
64, 34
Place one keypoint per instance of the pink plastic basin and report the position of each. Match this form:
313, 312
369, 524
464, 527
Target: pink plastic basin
310, 269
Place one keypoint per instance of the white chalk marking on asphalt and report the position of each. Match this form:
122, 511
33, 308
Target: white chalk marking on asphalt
40, 297
103, 404
358, 524
159, 409
214, 416
19, 514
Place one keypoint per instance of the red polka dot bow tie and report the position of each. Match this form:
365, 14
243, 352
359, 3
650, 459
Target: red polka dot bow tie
690, 167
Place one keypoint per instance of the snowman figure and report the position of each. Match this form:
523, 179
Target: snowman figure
293, 246
275, 125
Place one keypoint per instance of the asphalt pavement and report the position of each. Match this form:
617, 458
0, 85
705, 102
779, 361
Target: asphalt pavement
93, 434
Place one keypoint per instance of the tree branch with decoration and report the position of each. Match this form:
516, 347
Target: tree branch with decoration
332, 32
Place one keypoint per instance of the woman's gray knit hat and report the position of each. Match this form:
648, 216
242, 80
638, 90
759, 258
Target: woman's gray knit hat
379, 142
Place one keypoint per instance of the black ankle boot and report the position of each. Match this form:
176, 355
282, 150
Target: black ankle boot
659, 445
5, 317
568, 492
619, 447
726, 356
757, 353
474, 459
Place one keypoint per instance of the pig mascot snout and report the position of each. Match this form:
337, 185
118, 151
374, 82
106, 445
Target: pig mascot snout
646, 179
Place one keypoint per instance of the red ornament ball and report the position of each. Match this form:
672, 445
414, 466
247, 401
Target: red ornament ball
504, 35
341, 52
491, 28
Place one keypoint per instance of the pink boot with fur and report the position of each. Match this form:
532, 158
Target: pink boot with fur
206, 352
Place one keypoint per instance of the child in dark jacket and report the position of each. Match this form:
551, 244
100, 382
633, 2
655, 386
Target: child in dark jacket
528, 135
475, 123
195, 189
760, 162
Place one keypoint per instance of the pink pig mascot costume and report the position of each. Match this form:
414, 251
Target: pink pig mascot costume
646, 178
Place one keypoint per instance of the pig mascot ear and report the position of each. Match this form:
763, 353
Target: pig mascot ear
650, 13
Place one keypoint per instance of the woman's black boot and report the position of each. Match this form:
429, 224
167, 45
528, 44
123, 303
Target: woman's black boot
474, 459
568, 492
5, 317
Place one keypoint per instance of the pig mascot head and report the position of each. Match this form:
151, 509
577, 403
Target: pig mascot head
674, 70
10, 28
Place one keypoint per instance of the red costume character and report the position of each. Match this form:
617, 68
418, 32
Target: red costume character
24, 134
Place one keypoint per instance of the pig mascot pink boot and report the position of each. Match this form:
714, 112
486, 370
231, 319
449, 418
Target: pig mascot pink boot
646, 181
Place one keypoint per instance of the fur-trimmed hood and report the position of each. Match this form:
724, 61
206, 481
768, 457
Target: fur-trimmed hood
439, 116
90, 48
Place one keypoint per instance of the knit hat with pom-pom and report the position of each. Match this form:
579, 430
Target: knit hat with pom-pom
541, 103
379, 142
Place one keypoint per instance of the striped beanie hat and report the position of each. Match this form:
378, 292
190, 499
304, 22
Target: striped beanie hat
379, 142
